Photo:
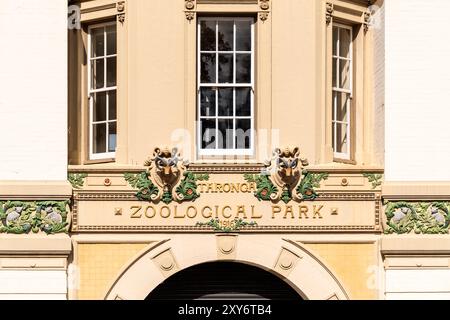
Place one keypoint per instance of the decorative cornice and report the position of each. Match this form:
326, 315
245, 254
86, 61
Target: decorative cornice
207, 229
226, 168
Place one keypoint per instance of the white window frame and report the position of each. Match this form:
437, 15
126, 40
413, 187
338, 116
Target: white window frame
341, 155
91, 92
251, 85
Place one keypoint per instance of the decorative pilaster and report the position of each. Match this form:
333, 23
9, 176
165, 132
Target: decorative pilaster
264, 5
189, 5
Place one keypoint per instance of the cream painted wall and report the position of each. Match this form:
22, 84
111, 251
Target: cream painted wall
33, 90
417, 90
33, 285
418, 284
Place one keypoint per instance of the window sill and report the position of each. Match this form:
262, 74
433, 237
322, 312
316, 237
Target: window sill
345, 161
99, 161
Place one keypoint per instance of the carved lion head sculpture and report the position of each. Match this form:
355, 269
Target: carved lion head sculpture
166, 161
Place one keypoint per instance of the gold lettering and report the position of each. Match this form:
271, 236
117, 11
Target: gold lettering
275, 209
317, 212
219, 187
289, 210
235, 188
176, 216
161, 212
252, 187
241, 209
223, 212
150, 215
189, 209
303, 212
254, 216
217, 212
202, 186
244, 188
226, 188
209, 215
210, 187
135, 214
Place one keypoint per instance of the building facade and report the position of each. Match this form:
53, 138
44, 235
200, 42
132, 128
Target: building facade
225, 148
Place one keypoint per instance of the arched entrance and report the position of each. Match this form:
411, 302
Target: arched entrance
224, 280
289, 260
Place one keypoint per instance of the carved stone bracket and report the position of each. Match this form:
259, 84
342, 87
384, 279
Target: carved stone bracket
367, 21
121, 11
264, 5
329, 12
189, 5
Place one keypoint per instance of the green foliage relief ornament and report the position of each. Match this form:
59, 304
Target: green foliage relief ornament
417, 217
227, 227
23, 217
148, 191
266, 190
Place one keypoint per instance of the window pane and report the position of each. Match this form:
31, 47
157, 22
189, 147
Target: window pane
243, 68
335, 40
99, 138
226, 134
99, 107
112, 137
243, 36
243, 133
344, 43
226, 102
225, 68
208, 35
225, 35
335, 63
344, 74
208, 68
111, 72
342, 141
208, 131
243, 102
111, 40
98, 42
207, 102
98, 74
112, 105
342, 103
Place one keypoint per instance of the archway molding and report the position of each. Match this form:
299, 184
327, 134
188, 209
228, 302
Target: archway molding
289, 260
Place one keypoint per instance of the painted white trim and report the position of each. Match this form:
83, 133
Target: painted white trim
349, 92
234, 85
91, 91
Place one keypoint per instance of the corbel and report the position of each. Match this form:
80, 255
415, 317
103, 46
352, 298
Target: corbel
264, 5
329, 9
121, 11
189, 5
367, 20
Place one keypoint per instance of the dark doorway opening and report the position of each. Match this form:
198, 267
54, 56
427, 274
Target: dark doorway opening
224, 281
